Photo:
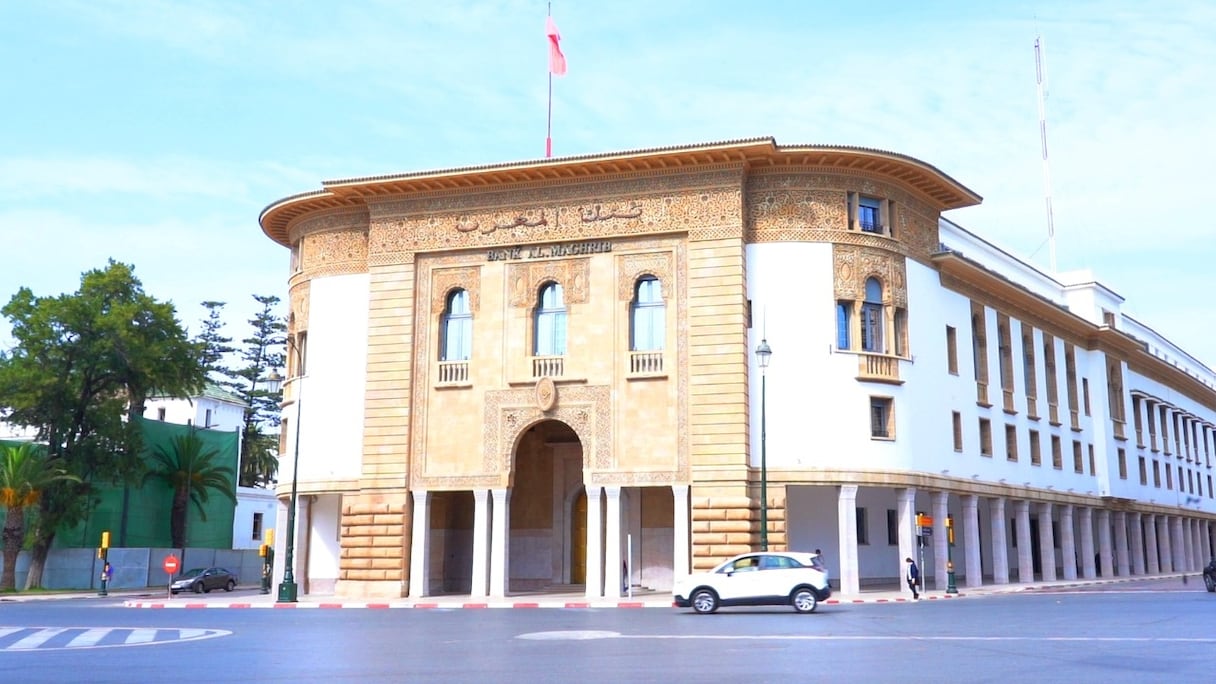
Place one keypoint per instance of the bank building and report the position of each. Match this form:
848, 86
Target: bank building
544, 376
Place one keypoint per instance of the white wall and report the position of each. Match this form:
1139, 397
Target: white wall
250, 501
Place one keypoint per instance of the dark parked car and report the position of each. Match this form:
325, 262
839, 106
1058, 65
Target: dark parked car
1209, 575
201, 580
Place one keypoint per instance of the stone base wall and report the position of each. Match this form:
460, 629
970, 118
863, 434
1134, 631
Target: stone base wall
375, 546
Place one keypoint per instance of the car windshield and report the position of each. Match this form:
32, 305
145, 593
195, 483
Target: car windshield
192, 573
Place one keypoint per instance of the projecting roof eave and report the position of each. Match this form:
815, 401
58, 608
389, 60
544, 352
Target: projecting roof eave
940, 190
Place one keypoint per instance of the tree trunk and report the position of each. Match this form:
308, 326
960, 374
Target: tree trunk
14, 535
38, 555
177, 519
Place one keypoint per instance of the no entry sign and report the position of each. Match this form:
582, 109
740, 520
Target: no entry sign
171, 564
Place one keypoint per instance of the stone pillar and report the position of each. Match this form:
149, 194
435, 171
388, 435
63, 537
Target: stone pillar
595, 546
846, 516
481, 542
973, 565
1152, 548
420, 545
1178, 541
1025, 548
941, 542
612, 542
1105, 544
1196, 546
681, 564
1163, 538
1136, 531
1123, 565
500, 545
1068, 543
1089, 569
1000, 541
1047, 543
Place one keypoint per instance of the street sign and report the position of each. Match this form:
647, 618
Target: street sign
926, 531
171, 564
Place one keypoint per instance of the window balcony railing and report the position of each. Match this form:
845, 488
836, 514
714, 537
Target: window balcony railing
1008, 397
981, 393
1032, 407
1074, 419
1053, 413
878, 368
1120, 430
548, 366
870, 226
646, 363
453, 372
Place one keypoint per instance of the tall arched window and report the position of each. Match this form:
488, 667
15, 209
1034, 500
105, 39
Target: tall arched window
550, 329
457, 328
648, 315
872, 317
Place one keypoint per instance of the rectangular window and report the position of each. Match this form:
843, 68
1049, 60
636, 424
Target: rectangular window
1210, 487
1028, 375
951, 350
863, 534
207, 419
1085, 394
1036, 451
892, 527
160, 413
985, 437
257, 527
869, 214
1051, 379
900, 321
1165, 429
1057, 458
1078, 461
1011, 443
1004, 343
882, 420
1156, 474
844, 323
979, 347
1138, 422
1143, 471
1169, 476
1070, 376
956, 419
1092, 468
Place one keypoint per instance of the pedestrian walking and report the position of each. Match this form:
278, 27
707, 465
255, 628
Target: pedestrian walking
913, 577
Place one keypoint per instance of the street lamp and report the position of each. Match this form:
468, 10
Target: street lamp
763, 354
288, 591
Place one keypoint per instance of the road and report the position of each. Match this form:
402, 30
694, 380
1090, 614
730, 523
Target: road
1138, 632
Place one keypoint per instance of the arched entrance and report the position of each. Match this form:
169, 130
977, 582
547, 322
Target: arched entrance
548, 524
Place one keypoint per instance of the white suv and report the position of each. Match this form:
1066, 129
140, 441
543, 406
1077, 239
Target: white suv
767, 578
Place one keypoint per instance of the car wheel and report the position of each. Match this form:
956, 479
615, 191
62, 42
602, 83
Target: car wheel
704, 601
230, 586
197, 587
1211, 584
803, 600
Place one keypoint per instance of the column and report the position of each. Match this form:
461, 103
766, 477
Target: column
846, 517
612, 542
1152, 551
595, 558
1163, 538
1123, 566
500, 542
1136, 530
1105, 546
481, 538
1178, 541
420, 545
1089, 568
941, 542
1047, 543
1196, 546
973, 566
1025, 549
303, 542
1000, 542
681, 564
1068, 543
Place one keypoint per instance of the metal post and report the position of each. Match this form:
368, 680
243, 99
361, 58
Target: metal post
951, 587
763, 464
288, 592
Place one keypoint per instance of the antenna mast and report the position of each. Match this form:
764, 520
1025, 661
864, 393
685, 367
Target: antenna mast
1040, 75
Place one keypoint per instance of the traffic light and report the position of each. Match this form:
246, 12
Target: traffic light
105, 540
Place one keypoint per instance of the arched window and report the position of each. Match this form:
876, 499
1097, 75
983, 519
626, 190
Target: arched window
457, 328
648, 315
550, 332
872, 317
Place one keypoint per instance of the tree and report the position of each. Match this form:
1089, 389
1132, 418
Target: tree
82, 363
24, 473
190, 471
215, 346
262, 353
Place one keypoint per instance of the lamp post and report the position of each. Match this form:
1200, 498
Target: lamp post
288, 591
763, 354
951, 587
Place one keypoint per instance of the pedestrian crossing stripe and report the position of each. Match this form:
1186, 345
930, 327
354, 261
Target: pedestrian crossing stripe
16, 639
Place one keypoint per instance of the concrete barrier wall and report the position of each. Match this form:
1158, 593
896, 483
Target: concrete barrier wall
139, 568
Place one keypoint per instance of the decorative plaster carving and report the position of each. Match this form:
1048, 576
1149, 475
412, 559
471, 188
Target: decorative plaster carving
299, 295
334, 253
546, 394
854, 264
630, 267
444, 280
525, 279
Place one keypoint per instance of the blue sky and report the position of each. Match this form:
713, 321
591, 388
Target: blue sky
154, 132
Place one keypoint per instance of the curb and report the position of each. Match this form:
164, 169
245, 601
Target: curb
160, 605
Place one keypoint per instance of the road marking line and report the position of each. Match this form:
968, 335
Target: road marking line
89, 637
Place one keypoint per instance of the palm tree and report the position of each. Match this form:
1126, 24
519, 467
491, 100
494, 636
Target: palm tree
24, 473
191, 473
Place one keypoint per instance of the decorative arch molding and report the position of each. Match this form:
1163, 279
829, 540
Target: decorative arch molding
630, 267
510, 413
855, 264
444, 280
572, 274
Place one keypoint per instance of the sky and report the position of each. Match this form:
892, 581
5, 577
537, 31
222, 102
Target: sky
154, 132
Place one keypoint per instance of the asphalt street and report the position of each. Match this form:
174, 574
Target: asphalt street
1136, 632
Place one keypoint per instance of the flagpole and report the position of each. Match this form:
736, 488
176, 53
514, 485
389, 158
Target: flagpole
549, 122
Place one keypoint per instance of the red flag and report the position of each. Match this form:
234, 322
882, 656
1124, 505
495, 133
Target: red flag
557, 61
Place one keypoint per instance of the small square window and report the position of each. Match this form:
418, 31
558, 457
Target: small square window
882, 419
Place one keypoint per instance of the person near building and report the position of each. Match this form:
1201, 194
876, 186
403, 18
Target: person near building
913, 577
